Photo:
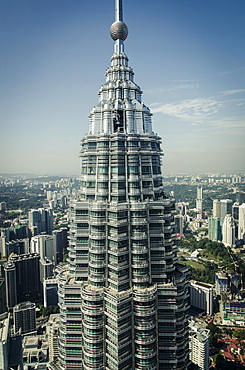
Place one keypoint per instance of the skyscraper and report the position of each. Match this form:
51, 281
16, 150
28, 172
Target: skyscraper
241, 223
225, 209
22, 275
123, 297
199, 202
42, 219
228, 231
214, 229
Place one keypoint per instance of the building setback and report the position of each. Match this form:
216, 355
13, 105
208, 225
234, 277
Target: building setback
123, 296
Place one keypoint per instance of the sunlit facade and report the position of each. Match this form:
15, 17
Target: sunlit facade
123, 296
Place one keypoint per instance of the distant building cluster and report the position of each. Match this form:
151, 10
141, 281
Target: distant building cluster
228, 221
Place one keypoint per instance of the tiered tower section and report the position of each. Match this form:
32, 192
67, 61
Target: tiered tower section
123, 299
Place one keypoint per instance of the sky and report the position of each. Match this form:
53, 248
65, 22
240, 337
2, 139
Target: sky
188, 57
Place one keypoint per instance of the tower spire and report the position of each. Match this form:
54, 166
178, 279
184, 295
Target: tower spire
118, 11
119, 30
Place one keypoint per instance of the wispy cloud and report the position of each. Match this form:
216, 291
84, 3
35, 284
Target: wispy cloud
228, 72
232, 92
229, 123
190, 110
200, 110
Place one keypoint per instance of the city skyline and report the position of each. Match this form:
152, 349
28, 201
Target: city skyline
191, 69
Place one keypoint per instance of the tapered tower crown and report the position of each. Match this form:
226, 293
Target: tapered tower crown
124, 300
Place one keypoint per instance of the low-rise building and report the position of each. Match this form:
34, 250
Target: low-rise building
233, 312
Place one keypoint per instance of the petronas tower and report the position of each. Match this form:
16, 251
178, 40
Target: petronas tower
123, 295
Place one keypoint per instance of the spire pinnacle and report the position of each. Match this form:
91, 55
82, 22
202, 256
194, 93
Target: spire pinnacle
118, 11
119, 30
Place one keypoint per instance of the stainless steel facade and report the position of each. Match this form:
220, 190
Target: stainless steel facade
123, 298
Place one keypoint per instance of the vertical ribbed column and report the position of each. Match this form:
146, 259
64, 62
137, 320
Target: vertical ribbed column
92, 328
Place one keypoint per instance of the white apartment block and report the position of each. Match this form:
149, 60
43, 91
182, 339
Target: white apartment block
199, 346
201, 296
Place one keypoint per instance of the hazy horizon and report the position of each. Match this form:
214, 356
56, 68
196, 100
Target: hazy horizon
188, 59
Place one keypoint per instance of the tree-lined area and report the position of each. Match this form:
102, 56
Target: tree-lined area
213, 256
18, 197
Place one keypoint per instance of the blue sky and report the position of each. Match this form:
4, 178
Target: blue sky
188, 57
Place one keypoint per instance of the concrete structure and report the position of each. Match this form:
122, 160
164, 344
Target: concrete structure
3, 307
199, 346
15, 233
53, 331
233, 313
35, 357
60, 242
228, 231
15, 246
241, 223
4, 341
11, 287
23, 279
46, 269
225, 209
199, 202
24, 315
123, 273
216, 208
201, 296
179, 222
50, 292
235, 215
45, 246
3, 206
214, 229
42, 219
226, 283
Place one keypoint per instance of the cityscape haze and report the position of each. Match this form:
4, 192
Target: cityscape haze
188, 56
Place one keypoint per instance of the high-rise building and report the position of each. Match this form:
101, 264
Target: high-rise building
179, 222
23, 279
11, 288
46, 269
241, 223
3, 307
199, 202
3, 206
235, 215
225, 209
199, 346
228, 231
123, 272
42, 219
19, 246
60, 242
240, 197
216, 208
45, 246
4, 341
214, 229
201, 296
24, 315
50, 292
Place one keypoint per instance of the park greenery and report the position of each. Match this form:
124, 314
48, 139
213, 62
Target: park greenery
46, 311
18, 197
214, 256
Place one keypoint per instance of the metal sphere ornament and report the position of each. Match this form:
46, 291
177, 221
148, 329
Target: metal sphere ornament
119, 31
